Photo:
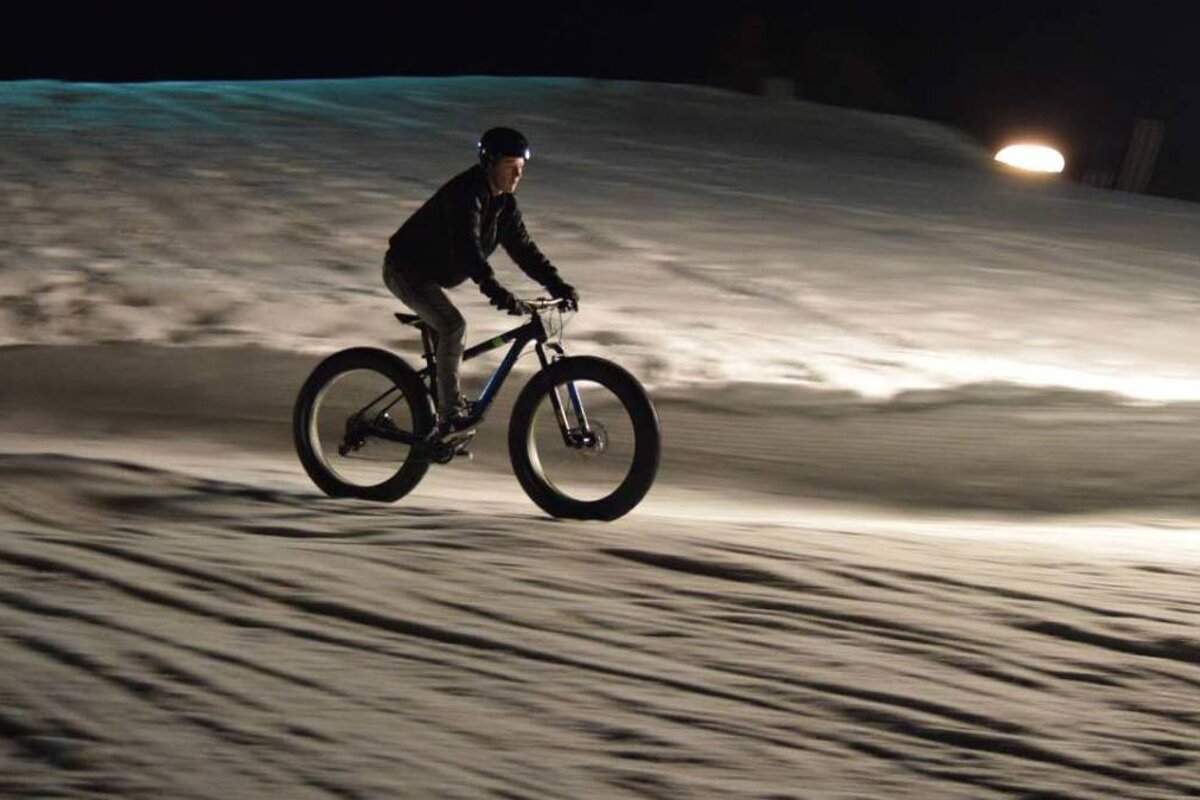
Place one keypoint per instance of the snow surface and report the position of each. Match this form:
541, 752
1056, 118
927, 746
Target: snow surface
925, 525
715, 237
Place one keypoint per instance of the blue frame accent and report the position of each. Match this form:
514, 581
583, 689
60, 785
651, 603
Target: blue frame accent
577, 402
492, 387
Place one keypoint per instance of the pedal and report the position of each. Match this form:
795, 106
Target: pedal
466, 434
462, 446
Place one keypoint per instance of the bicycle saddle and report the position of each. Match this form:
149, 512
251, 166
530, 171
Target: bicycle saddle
410, 319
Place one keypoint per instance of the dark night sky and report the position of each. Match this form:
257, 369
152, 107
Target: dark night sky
1078, 73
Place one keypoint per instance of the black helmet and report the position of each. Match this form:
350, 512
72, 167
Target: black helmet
500, 142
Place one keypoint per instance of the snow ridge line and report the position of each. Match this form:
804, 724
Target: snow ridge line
343, 612
25, 603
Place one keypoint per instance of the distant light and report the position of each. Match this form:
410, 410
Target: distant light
1032, 157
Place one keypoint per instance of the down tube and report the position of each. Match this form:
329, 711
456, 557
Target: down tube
497, 380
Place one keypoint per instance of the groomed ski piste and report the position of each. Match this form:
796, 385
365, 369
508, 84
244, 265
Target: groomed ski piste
926, 523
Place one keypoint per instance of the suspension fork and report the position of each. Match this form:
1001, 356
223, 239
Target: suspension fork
429, 343
560, 410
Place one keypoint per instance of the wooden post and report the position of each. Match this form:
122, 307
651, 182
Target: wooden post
1140, 156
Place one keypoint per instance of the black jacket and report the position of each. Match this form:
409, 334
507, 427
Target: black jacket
449, 239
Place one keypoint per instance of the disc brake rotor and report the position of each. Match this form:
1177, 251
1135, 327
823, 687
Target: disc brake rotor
596, 443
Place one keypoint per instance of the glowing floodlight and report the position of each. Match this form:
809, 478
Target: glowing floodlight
1032, 157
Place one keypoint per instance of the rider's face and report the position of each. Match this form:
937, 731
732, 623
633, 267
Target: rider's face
506, 173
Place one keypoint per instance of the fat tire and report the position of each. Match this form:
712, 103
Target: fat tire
414, 467
647, 449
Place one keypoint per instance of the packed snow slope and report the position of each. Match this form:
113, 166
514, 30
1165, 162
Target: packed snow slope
866, 304
715, 237
926, 523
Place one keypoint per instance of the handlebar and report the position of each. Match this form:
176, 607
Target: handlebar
545, 303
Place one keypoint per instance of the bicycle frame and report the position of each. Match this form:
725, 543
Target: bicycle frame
532, 331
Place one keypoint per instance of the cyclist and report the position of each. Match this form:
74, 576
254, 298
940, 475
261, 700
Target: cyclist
449, 239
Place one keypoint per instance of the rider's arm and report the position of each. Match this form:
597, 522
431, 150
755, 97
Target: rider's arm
520, 247
473, 261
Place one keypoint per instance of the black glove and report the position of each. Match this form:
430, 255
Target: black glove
561, 290
505, 300
519, 308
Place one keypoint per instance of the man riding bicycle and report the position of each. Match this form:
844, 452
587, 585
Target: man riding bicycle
449, 239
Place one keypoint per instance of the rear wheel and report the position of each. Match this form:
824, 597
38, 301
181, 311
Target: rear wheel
584, 439
354, 421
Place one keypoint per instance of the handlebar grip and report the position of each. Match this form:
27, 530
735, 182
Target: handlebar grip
542, 303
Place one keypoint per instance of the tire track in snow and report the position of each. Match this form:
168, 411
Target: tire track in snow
342, 612
707, 649
905, 716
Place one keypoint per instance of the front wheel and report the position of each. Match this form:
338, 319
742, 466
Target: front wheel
355, 424
584, 439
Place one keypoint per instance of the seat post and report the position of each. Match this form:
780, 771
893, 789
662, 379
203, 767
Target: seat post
429, 343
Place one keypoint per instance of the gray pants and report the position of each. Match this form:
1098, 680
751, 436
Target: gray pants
431, 304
